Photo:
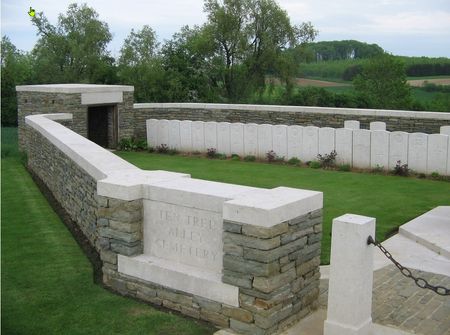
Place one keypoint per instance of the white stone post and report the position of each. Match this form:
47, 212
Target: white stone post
351, 276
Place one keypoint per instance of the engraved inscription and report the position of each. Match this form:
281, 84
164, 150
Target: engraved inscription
186, 235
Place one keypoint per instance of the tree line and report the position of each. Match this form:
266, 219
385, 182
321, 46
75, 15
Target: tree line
227, 59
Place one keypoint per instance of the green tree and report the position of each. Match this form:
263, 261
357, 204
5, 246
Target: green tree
382, 83
140, 64
16, 69
192, 70
250, 37
75, 49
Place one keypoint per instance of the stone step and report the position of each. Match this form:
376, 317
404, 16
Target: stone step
431, 230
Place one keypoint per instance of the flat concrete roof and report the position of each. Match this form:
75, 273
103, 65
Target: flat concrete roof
74, 88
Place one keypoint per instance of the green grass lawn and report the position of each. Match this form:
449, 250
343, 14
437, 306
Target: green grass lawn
391, 200
47, 282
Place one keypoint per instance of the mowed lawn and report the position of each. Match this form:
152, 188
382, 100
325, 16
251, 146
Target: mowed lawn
47, 282
392, 200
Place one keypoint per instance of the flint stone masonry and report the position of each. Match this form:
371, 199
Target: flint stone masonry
407, 121
240, 257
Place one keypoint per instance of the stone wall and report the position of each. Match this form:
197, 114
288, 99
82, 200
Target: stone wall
68, 98
72, 187
276, 270
408, 121
270, 256
32, 103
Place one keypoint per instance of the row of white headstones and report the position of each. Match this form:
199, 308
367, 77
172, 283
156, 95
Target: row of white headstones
360, 148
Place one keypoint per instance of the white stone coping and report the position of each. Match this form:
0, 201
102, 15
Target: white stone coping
299, 109
267, 208
196, 193
74, 88
180, 277
116, 178
431, 229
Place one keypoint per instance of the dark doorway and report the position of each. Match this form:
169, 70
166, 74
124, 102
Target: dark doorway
102, 125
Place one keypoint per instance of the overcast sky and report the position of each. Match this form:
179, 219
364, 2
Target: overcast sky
401, 27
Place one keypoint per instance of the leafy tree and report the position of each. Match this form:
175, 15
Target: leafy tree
140, 64
75, 49
250, 37
16, 69
382, 83
192, 70
347, 49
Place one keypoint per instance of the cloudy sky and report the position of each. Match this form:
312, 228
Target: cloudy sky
401, 27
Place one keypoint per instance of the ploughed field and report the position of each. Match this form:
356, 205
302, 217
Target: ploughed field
392, 200
47, 281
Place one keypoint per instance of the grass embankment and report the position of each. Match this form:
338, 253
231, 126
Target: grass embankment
47, 282
391, 200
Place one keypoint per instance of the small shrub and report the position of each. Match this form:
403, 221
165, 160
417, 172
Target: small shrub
127, 144
436, 176
401, 170
249, 158
131, 144
315, 165
271, 156
162, 149
151, 149
141, 144
422, 175
235, 157
294, 161
221, 156
344, 167
211, 153
327, 160
377, 169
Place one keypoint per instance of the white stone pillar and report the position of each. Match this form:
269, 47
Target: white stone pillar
351, 277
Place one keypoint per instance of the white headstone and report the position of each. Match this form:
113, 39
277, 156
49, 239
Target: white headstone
417, 152
211, 135
186, 136
152, 132
250, 139
163, 132
351, 124
377, 125
294, 139
223, 138
310, 143
198, 136
445, 130
437, 153
279, 139
326, 140
448, 157
264, 139
361, 148
398, 148
344, 146
379, 149
174, 134
237, 138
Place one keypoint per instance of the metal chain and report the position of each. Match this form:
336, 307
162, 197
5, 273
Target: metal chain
422, 283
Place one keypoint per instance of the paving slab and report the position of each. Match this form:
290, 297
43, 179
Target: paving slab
431, 229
